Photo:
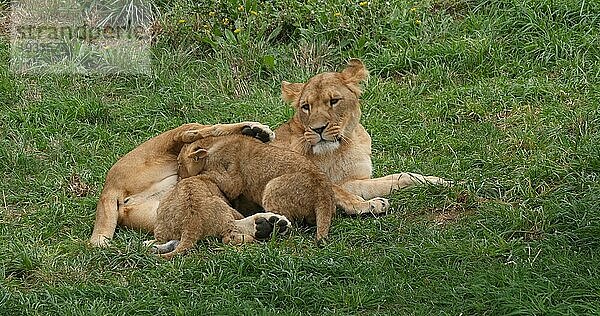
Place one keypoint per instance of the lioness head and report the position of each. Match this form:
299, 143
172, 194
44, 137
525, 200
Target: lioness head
327, 105
191, 160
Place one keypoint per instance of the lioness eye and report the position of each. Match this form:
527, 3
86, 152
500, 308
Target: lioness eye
306, 107
334, 101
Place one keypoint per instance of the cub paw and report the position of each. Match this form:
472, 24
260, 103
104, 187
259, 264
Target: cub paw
268, 223
260, 131
379, 205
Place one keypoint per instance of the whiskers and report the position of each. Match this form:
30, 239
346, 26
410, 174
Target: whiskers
301, 146
345, 139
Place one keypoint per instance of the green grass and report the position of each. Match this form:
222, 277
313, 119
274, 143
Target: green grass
500, 95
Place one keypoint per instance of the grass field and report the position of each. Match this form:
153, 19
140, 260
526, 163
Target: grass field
500, 95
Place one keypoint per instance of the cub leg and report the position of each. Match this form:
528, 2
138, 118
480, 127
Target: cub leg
236, 214
169, 249
324, 213
370, 188
194, 218
236, 238
188, 240
302, 196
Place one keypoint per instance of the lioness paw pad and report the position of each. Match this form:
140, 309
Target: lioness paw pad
262, 132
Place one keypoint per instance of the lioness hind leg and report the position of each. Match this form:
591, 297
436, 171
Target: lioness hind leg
107, 215
261, 225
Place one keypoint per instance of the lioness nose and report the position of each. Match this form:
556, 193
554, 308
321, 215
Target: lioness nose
319, 130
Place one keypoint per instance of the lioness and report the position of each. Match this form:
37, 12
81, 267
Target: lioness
279, 180
138, 181
326, 129
196, 208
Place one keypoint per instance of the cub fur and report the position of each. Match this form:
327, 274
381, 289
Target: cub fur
137, 182
326, 129
195, 209
281, 181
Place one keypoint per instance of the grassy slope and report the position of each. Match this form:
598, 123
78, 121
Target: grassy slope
499, 94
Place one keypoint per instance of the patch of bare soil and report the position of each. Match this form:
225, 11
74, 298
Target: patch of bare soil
77, 187
453, 212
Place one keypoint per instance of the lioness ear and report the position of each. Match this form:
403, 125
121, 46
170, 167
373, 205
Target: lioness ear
198, 153
355, 72
291, 91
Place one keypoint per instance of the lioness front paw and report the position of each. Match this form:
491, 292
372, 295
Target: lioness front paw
191, 136
260, 131
379, 205
438, 181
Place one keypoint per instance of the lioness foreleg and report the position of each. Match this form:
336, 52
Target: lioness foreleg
356, 205
370, 188
253, 129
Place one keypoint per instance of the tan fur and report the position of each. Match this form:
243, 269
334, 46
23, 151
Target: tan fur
137, 182
330, 101
281, 181
195, 209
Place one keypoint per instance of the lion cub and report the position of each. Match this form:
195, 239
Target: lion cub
195, 209
281, 181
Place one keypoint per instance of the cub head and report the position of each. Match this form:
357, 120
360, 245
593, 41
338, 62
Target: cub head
327, 105
191, 160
